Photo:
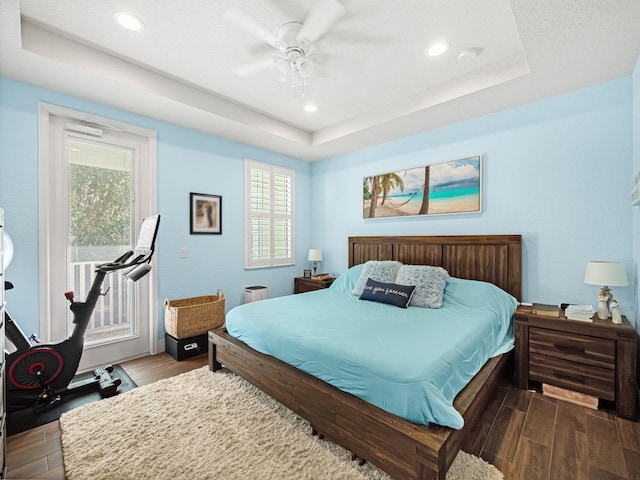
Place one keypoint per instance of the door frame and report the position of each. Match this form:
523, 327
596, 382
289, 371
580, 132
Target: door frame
49, 228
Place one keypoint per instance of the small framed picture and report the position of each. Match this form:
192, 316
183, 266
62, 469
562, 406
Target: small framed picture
206, 214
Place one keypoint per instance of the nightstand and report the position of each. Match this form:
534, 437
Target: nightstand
596, 358
306, 284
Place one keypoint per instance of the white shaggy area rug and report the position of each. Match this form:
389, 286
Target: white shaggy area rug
204, 425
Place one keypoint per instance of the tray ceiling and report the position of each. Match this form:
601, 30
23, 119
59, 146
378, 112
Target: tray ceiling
372, 83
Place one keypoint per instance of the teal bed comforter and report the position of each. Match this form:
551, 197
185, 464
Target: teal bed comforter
410, 362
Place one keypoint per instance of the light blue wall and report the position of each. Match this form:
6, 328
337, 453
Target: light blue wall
188, 161
636, 170
556, 171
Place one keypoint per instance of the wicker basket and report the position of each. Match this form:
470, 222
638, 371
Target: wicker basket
193, 316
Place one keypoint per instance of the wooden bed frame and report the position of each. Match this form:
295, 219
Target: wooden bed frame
403, 449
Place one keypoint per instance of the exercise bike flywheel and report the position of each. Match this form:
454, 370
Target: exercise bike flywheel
34, 368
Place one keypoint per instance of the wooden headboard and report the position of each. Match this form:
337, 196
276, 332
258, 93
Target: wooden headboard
491, 258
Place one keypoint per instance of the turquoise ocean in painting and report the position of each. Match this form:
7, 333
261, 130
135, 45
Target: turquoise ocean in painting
448, 198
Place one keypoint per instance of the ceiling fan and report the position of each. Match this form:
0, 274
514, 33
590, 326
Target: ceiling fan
294, 41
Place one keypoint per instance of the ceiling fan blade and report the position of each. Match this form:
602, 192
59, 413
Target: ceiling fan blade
260, 50
332, 65
320, 19
250, 24
255, 67
344, 35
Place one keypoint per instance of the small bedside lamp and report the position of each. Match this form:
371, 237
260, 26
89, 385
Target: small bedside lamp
315, 256
605, 274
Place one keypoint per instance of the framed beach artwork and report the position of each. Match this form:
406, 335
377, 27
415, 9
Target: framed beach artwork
206, 213
438, 189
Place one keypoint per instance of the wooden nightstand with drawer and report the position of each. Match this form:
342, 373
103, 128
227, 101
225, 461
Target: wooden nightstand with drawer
306, 284
596, 358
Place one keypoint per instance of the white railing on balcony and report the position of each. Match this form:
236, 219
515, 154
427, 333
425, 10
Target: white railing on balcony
111, 315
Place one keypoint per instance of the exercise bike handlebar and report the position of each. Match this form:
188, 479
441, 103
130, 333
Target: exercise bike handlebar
144, 248
121, 262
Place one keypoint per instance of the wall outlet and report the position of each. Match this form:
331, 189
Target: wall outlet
183, 253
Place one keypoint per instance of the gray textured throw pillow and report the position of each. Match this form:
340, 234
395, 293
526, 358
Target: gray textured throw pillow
380, 270
429, 282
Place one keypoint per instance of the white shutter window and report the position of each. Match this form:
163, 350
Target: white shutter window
269, 237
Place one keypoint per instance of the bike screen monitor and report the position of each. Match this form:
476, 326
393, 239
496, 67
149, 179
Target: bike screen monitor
147, 234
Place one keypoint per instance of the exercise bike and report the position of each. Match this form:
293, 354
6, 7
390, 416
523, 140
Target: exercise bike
38, 374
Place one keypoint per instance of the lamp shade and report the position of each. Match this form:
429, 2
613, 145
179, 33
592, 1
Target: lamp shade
7, 245
610, 274
315, 255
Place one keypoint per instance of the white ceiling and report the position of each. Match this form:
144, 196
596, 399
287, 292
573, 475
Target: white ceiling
373, 82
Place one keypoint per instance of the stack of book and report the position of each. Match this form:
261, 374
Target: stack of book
546, 310
583, 313
321, 276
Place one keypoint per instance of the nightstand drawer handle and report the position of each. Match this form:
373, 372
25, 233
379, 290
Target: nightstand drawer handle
568, 349
573, 378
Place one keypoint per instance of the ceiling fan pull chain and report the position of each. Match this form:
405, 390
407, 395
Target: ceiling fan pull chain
293, 79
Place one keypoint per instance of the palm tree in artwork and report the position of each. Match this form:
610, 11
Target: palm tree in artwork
388, 182
366, 192
424, 208
375, 189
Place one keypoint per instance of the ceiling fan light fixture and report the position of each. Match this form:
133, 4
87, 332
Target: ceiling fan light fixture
437, 48
129, 21
304, 66
293, 40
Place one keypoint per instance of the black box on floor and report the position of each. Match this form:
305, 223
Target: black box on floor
181, 348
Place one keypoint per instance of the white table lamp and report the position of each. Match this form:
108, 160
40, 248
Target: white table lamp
605, 274
315, 256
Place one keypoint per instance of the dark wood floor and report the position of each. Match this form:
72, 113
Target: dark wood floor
529, 436
526, 435
37, 453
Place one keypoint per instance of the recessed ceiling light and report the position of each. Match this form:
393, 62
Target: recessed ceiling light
437, 48
128, 21
310, 108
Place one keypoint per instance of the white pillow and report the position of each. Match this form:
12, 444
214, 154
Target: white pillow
429, 282
380, 270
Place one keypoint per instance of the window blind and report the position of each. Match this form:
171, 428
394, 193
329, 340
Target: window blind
269, 215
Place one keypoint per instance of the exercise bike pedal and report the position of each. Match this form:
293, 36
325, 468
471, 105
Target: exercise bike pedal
107, 385
46, 400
